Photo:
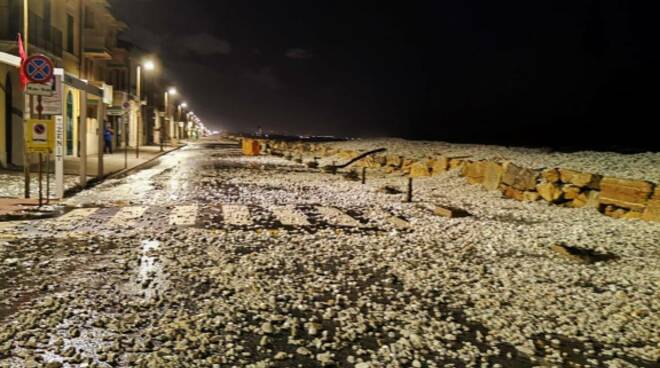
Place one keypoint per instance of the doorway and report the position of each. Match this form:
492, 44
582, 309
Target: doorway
69, 124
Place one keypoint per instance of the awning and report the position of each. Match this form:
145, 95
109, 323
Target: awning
10, 59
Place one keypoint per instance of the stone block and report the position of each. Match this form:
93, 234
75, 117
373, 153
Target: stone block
652, 210
474, 171
438, 165
571, 191
587, 199
550, 192
419, 169
394, 161
550, 175
626, 193
513, 193
455, 163
580, 179
530, 196
493, 173
519, 177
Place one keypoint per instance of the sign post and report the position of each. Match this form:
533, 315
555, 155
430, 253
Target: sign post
40, 139
38, 70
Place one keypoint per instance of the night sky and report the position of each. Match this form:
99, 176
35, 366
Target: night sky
514, 72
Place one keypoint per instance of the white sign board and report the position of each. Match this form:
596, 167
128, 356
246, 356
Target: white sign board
52, 105
38, 89
59, 157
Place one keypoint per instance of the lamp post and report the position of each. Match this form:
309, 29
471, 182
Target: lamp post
148, 65
166, 115
179, 131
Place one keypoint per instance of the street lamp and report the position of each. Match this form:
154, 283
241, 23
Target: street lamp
169, 92
148, 65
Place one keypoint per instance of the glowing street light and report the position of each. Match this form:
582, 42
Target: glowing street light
171, 91
149, 65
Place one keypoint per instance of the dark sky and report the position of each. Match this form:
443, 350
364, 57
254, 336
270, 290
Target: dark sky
519, 72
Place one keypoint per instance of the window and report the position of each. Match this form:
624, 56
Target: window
69, 33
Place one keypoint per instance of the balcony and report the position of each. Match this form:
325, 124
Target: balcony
45, 36
41, 35
97, 45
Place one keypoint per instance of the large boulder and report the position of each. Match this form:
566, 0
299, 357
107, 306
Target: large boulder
625, 193
580, 179
652, 211
493, 173
519, 177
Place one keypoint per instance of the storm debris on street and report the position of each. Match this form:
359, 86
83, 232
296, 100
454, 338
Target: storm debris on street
213, 259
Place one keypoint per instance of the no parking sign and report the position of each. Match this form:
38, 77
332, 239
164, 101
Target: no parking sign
41, 136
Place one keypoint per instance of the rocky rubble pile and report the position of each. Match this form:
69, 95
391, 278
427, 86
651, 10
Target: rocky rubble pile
613, 196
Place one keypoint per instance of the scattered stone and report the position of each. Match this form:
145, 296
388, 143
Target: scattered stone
450, 212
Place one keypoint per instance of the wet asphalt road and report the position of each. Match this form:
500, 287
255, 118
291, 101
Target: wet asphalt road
182, 265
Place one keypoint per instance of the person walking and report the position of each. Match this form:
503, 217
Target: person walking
108, 133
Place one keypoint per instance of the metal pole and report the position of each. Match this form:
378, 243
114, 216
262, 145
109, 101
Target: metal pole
26, 105
139, 117
125, 128
48, 177
40, 180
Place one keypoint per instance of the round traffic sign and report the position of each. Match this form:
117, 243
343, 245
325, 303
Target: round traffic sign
39, 128
39, 69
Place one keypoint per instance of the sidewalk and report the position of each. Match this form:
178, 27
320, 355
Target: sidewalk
114, 162
12, 181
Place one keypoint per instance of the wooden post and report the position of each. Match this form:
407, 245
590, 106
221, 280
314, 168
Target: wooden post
364, 175
409, 197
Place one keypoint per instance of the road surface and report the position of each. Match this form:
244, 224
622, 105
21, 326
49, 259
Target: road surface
211, 259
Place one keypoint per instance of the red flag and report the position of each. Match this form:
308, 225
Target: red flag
21, 54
